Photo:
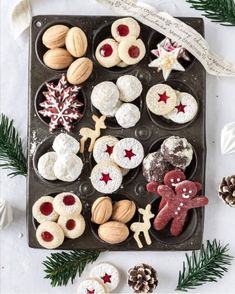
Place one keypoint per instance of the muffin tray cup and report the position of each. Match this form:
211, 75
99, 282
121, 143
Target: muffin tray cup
150, 131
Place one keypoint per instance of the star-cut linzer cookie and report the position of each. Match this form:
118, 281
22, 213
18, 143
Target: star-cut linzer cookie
167, 61
61, 104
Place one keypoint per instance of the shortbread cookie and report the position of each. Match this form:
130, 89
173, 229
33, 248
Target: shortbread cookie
122, 64
128, 153
105, 96
125, 27
49, 235
185, 110
67, 204
72, 227
92, 286
177, 151
43, 210
131, 51
68, 167
106, 177
46, 166
127, 115
107, 53
65, 143
103, 148
108, 274
161, 99
129, 87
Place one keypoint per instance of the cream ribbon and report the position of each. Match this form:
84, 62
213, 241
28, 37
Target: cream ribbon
21, 17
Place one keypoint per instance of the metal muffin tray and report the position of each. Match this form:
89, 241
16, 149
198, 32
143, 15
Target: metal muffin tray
150, 131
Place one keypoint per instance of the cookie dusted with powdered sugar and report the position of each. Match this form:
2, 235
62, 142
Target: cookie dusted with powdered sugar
46, 166
65, 143
127, 115
103, 148
129, 87
92, 286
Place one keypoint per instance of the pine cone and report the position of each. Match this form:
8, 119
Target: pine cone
142, 278
227, 190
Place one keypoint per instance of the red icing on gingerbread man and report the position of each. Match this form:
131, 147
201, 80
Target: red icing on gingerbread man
178, 204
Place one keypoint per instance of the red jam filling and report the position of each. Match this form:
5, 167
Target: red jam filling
123, 30
129, 153
134, 51
46, 208
106, 50
106, 278
109, 149
163, 97
46, 236
69, 200
106, 178
181, 108
90, 291
71, 224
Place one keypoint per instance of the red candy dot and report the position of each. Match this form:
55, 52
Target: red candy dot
106, 50
134, 51
71, 224
46, 208
69, 200
46, 236
123, 30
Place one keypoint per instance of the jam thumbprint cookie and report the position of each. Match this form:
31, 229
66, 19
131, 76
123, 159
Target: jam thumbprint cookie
49, 235
43, 209
125, 27
67, 204
107, 53
72, 227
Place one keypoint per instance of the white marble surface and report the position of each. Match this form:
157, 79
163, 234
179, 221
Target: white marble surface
20, 267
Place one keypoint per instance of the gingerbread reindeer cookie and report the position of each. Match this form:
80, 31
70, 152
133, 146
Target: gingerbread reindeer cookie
178, 203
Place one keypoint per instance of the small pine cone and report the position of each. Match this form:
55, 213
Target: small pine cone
227, 190
142, 278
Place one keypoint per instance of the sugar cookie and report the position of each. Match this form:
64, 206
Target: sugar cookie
49, 235
72, 227
103, 148
107, 53
125, 27
92, 286
43, 210
131, 51
67, 204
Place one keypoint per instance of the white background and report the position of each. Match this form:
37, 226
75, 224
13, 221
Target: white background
20, 267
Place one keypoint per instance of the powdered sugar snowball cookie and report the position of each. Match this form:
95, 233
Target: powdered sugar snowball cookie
106, 177
49, 235
112, 111
105, 96
46, 166
107, 53
177, 151
129, 87
67, 204
185, 110
128, 153
161, 99
108, 274
92, 286
127, 115
43, 210
68, 167
72, 227
131, 51
65, 143
155, 167
103, 148
125, 27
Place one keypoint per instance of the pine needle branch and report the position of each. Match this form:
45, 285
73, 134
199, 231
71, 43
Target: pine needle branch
63, 266
11, 150
209, 264
222, 11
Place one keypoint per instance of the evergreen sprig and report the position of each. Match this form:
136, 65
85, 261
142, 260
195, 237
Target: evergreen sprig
11, 150
63, 266
206, 266
222, 11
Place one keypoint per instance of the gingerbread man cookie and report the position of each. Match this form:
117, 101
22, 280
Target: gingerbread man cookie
179, 202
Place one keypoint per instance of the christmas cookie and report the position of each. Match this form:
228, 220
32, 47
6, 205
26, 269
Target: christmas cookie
128, 153
174, 177
103, 148
131, 51
122, 64
49, 235
92, 286
46, 166
185, 110
43, 210
125, 27
65, 143
106, 177
67, 204
129, 87
111, 111
108, 274
107, 53
161, 99
68, 167
105, 96
177, 151
127, 115
72, 227
155, 167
